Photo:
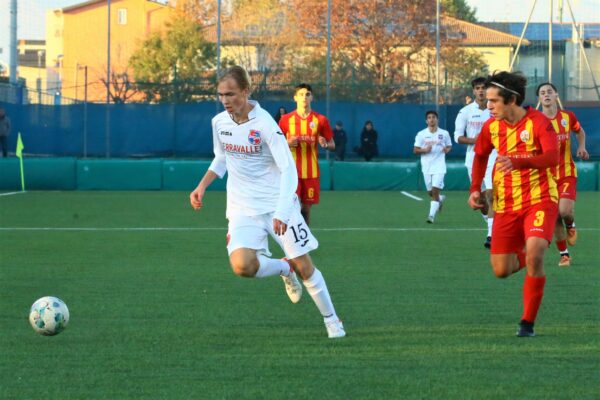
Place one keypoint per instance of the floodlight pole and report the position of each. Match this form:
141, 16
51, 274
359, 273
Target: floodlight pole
85, 110
328, 85
218, 48
107, 117
328, 66
550, 42
12, 68
437, 57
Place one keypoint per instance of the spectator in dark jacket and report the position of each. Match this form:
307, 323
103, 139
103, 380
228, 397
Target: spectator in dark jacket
368, 142
4, 132
340, 138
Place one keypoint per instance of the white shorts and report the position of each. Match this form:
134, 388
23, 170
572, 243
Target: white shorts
252, 232
434, 180
487, 178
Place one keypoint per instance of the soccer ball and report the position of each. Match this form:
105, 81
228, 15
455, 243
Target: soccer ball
49, 316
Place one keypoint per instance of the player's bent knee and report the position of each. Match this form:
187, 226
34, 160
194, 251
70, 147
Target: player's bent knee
244, 266
502, 268
502, 272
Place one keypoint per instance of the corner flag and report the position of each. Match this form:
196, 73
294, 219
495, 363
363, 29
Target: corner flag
20, 147
19, 153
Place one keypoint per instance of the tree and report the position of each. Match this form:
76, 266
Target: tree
260, 36
176, 65
459, 9
381, 49
120, 89
372, 41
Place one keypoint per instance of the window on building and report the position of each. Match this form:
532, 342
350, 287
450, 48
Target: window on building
122, 16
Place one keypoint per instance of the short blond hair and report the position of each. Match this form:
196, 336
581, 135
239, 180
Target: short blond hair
238, 74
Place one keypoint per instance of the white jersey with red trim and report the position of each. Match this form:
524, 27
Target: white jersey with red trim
433, 162
262, 175
469, 121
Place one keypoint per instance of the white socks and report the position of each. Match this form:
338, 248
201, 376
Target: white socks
433, 208
490, 222
316, 287
271, 266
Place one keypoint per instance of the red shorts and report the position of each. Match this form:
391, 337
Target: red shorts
567, 188
512, 229
309, 190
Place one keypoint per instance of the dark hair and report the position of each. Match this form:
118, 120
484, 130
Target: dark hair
431, 112
537, 91
302, 86
339, 123
238, 74
477, 81
509, 84
278, 115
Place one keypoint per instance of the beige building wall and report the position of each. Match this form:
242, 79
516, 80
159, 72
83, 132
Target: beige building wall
80, 36
497, 58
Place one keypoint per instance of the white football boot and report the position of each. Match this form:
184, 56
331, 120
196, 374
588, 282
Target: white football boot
335, 329
292, 286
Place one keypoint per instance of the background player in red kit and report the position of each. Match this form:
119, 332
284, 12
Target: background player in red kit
525, 194
564, 122
304, 128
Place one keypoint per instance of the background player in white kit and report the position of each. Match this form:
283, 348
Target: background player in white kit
261, 197
432, 143
468, 125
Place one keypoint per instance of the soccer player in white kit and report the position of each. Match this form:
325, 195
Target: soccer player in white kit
468, 125
261, 197
432, 143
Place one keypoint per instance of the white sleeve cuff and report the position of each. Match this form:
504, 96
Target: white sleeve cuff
218, 166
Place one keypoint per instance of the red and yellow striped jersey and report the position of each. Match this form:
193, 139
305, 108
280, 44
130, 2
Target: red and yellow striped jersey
308, 131
531, 136
565, 122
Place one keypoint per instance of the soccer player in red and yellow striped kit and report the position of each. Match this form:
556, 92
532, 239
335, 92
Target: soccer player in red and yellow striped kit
304, 128
525, 193
564, 122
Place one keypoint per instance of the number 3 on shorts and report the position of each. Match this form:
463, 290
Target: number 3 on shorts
539, 218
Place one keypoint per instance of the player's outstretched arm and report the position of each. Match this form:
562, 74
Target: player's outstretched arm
198, 194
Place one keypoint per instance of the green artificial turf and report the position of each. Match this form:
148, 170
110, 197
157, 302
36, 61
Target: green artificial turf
156, 312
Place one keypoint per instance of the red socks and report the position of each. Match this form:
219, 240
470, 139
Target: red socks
533, 291
561, 245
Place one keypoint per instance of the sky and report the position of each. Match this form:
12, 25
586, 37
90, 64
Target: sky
31, 14
518, 10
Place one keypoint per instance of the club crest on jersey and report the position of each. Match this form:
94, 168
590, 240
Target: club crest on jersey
563, 123
524, 136
312, 125
440, 137
254, 137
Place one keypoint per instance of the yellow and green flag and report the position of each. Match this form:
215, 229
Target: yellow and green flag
20, 146
19, 153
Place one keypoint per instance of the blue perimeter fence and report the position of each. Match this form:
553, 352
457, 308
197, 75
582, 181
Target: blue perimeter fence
184, 130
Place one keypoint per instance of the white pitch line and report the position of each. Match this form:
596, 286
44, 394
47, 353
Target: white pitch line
412, 196
10, 193
187, 229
